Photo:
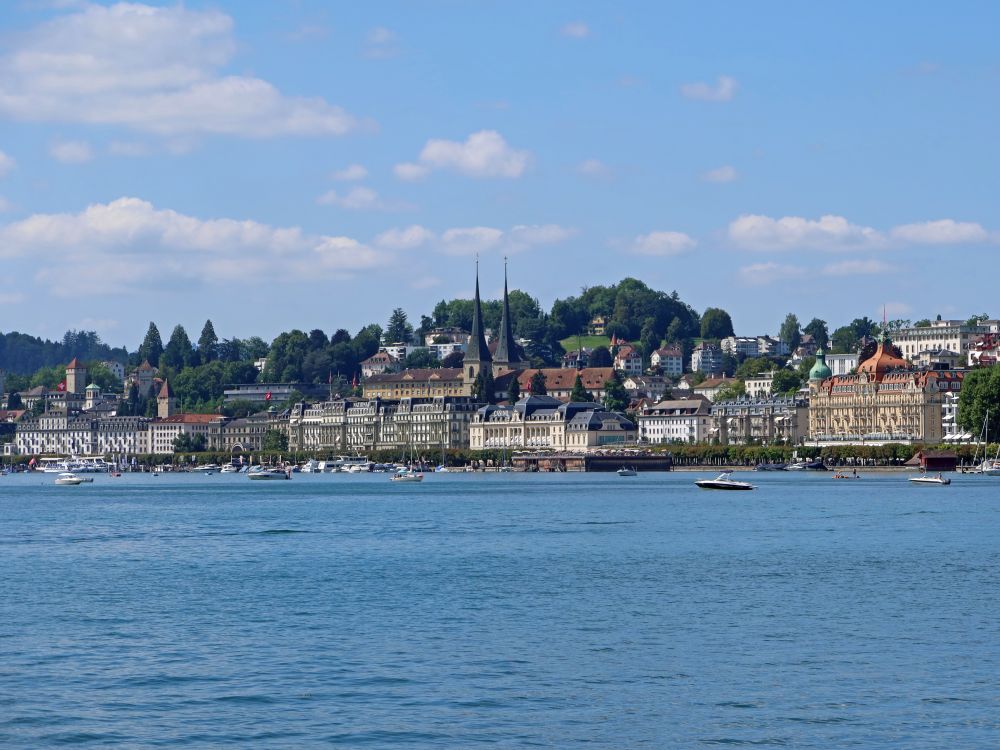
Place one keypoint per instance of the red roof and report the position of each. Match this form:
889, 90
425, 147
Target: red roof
563, 378
192, 419
881, 362
165, 391
74, 365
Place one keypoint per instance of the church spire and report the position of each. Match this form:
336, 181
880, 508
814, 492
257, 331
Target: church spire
506, 347
477, 351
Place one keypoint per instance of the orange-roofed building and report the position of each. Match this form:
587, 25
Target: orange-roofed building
886, 400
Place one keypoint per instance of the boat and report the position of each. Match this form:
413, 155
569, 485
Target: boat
771, 467
68, 478
625, 471
229, 469
844, 475
814, 465
723, 482
270, 473
442, 469
206, 469
407, 475
311, 467
940, 480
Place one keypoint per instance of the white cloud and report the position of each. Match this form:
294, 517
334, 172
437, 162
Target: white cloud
5, 205
6, 164
895, 310
593, 168
723, 90
941, 232
130, 242
575, 30
11, 298
356, 199
662, 244
482, 154
404, 239
726, 173
856, 268
352, 172
410, 172
153, 69
71, 152
523, 237
759, 274
756, 232
381, 44
470, 240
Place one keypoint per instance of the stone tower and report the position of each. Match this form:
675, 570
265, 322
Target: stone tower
166, 403
508, 355
76, 376
477, 355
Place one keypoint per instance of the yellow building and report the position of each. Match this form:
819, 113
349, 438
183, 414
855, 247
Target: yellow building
885, 401
424, 383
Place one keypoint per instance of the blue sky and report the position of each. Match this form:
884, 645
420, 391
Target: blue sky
313, 164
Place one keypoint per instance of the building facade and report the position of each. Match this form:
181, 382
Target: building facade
706, 358
760, 420
675, 421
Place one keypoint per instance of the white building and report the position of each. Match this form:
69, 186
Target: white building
772, 347
706, 358
627, 360
759, 386
746, 346
954, 335
675, 421
544, 422
670, 360
842, 364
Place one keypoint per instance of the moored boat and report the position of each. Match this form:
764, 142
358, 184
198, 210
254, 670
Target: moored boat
626, 471
925, 480
407, 475
69, 479
270, 473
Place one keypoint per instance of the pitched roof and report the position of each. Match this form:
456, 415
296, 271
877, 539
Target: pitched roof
191, 419
165, 391
506, 347
429, 374
708, 383
74, 365
563, 378
882, 361
476, 350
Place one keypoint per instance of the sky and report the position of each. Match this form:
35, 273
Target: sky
311, 164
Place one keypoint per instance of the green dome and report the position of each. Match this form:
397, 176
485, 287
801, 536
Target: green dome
820, 370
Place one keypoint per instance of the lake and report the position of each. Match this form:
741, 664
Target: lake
502, 610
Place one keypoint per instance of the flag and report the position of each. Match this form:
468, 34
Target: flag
61, 386
355, 381
267, 396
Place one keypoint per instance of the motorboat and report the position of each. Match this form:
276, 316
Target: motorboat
923, 479
230, 469
311, 467
845, 475
626, 471
723, 482
442, 469
771, 467
269, 473
69, 479
407, 475
813, 465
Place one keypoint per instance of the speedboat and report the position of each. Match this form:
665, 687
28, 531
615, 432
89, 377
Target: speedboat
70, 479
814, 465
771, 467
407, 475
269, 473
723, 482
940, 480
626, 472
311, 467
229, 469
206, 469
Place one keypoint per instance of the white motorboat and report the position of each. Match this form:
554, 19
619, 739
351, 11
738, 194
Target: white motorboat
229, 469
407, 475
312, 466
938, 480
206, 469
625, 471
69, 479
269, 473
723, 482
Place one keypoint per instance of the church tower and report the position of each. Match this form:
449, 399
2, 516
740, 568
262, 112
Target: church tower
508, 354
166, 402
477, 355
76, 376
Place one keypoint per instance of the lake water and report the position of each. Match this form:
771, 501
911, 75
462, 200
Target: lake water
500, 610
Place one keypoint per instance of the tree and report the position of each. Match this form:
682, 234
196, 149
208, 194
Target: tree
790, 332
190, 443
980, 396
340, 336
514, 391
922, 323
731, 391
844, 340
538, 387
484, 388
398, 330
805, 366
38, 407
716, 324
615, 395
274, 440
817, 329
208, 343
455, 359
601, 357
152, 346
178, 353
864, 327
675, 331
317, 339
421, 358
785, 381
14, 401
579, 393
102, 377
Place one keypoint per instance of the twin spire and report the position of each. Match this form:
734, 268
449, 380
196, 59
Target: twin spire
478, 351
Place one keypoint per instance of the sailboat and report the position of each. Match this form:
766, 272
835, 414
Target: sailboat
988, 466
407, 474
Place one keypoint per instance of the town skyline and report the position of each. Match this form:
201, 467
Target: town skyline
325, 156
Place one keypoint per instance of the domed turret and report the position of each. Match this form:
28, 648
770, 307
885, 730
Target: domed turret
820, 370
